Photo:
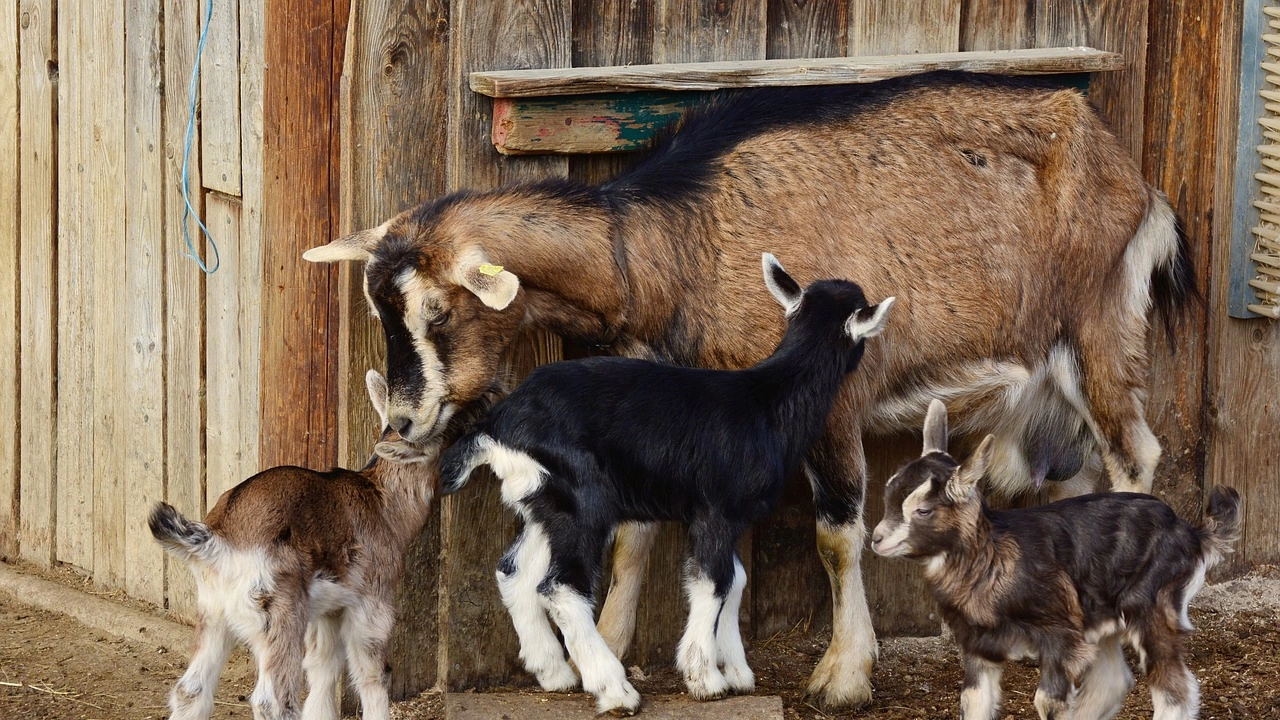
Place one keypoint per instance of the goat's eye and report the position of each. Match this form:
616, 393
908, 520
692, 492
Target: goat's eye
924, 512
441, 320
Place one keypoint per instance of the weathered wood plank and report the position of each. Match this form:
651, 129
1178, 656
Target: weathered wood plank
10, 288
784, 72
184, 300
38, 262
252, 61
477, 643
616, 122
1243, 430
224, 436
299, 360
102, 47
878, 27
393, 128
1249, 135
220, 98
142, 398
74, 482
808, 29
997, 25
728, 30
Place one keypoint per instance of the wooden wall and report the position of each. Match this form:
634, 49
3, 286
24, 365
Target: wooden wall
127, 375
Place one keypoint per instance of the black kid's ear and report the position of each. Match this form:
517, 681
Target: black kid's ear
869, 321
782, 286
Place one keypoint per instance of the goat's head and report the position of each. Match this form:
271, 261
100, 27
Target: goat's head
826, 303
932, 500
391, 446
448, 310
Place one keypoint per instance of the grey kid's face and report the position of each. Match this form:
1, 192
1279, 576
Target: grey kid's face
919, 519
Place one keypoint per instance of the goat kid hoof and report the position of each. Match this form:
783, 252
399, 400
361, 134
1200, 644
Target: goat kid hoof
708, 686
741, 680
557, 679
619, 704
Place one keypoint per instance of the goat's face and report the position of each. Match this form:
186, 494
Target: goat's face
448, 313
931, 502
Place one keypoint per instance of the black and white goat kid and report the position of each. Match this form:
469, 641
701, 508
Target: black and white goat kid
582, 446
1067, 583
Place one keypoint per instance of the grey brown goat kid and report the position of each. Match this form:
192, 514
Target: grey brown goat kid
293, 558
1069, 583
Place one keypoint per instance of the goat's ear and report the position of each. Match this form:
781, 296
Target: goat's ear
356, 246
782, 286
377, 386
399, 451
869, 321
935, 428
971, 471
494, 286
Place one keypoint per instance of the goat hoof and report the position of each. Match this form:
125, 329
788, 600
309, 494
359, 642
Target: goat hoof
833, 692
560, 678
622, 703
741, 680
707, 686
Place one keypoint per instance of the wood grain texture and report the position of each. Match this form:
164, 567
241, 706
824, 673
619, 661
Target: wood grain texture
252, 240
808, 29
618, 122
220, 97
1249, 136
1243, 418
10, 288
1118, 26
224, 436
184, 301
879, 27
997, 24
74, 481
299, 308
394, 125
141, 404
38, 264
787, 72
478, 645
726, 30
102, 54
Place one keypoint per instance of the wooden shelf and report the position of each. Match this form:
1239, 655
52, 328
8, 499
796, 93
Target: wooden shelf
774, 73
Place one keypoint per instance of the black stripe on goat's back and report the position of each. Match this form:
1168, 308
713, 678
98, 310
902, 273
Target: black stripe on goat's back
682, 160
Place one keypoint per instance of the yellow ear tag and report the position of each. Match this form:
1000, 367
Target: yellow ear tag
490, 270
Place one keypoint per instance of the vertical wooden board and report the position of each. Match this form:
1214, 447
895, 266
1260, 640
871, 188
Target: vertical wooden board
887, 27
74, 413
220, 97
250, 231
102, 47
38, 262
223, 433
299, 304
477, 643
393, 123
997, 24
142, 398
1244, 359
808, 28
701, 31
184, 300
9, 285
1180, 156
1117, 26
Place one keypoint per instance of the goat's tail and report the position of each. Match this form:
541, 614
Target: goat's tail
1221, 528
457, 462
1173, 277
184, 539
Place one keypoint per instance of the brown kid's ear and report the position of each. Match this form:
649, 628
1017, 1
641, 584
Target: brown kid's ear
965, 480
356, 246
935, 428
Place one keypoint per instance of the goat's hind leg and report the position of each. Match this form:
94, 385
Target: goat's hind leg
323, 664
1106, 683
1175, 693
279, 647
366, 629
520, 571
731, 655
192, 696
980, 698
631, 546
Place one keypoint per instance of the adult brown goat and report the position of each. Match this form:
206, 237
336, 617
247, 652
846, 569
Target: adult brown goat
1022, 243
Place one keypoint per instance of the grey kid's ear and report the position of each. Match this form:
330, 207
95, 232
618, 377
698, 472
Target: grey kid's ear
962, 484
935, 428
356, 246
782, 286
869, 321
377, 386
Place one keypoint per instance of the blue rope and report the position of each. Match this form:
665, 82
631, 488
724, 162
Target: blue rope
193, 93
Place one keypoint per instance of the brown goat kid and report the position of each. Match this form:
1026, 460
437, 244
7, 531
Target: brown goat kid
1068, 584
295, 558
1020, 238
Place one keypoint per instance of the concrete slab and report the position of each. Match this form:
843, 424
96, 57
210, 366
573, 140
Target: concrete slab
535, 706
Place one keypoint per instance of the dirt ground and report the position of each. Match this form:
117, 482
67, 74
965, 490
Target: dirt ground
52, 668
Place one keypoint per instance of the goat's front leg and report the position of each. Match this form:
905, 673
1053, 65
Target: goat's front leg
323, 666
365, 630
980, 698
192, 696
520, 571
631, 546
837, 471
732, 656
